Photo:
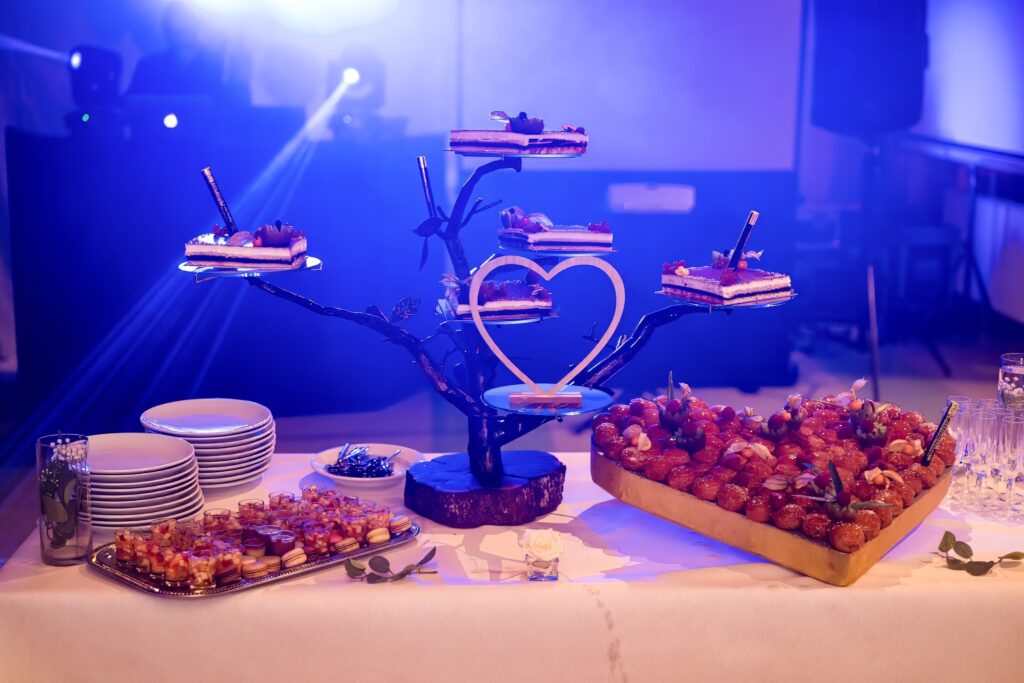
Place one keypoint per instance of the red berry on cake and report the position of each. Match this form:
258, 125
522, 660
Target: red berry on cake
604, 432
846, 537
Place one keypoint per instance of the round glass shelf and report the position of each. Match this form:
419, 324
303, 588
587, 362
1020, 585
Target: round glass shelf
538, 255
594, 399
763, 303
444, 309
203, 273
516, 155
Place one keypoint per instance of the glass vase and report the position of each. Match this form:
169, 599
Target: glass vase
1011, 381
65, 521
541, 570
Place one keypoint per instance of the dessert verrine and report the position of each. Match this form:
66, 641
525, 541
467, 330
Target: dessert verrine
522, 135
536, 232
498, 300
719, 284
277, 245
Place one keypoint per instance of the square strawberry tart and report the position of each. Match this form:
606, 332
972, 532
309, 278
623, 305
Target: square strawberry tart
279, 245
522, 135
536, 232
505, 300
718, 284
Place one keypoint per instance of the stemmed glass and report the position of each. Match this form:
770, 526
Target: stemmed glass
1011, 449
983, 426
959, 429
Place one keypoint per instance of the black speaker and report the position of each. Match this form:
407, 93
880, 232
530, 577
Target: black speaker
869, 62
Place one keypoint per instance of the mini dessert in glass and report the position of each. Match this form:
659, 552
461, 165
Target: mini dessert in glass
378, 517
155, 552
311, 494
216, 519
316, 538
282, 542
255, 547
283, 500
200, 569
203, 542
175, 567
251, 510
124, 546
184, 534
163, 529
354, 526
141, 541
227, 562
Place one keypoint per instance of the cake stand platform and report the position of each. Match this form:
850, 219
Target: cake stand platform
764, 303
204, 273
445, 490
594, 399
541, 256
516, 155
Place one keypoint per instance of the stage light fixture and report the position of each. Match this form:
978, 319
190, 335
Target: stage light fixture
171, 120
350, 76
75, 60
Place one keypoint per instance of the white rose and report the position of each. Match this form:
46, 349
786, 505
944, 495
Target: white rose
543, 544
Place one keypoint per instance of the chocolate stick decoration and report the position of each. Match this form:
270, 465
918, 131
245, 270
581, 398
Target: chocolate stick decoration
428, 193
939, 431
222, 206
741, 244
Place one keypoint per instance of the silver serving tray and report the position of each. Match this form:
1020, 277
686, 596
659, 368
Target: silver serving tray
102, 560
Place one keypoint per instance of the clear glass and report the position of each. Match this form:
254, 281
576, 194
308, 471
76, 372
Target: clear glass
1011, 449
1011, 380
65, 525
959, 429
984, 430
216, 519
541, 570
201, 569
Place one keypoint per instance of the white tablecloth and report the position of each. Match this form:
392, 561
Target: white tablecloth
639, 599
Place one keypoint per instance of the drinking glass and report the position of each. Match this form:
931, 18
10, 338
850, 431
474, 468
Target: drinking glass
1011, 380
959, 429
984, 427
65, 522
1012, 457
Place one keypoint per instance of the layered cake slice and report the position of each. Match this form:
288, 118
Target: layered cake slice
505, 300
719, 284
278, 245
537, 232
522, 135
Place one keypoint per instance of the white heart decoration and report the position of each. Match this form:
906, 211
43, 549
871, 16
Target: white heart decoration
490, 266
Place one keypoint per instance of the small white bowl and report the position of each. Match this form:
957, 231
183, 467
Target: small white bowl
400, 464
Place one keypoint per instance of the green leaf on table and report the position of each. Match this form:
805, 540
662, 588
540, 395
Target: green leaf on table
357, 564
353, 571
426, 570
376, 578
429, 556
946, 544
1015, 555
954, 563
963, 550
976, 568
380, 564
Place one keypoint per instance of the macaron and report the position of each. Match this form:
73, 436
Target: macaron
254, 570
227, 576
248, 559
273, 563
378, 536
399, 524
346, 545
293, 558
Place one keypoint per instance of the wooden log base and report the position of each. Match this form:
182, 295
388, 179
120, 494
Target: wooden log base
444, 490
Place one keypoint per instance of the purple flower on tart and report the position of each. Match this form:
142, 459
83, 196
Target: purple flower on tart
520, 124
600, 226
568, 128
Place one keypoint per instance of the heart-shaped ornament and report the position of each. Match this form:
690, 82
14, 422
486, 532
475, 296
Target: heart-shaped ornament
490, 266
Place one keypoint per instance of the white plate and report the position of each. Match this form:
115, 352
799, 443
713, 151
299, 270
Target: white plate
240, 482
249, 445
226, 440
205, 417
146, 478
153, 497
236, 458
144, 488
160, 512
236, 467
145, 507
217, 477
212, 456
107, 523
136, 453
401, 463
218, 482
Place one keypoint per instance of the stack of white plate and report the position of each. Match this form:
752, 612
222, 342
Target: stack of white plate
234, 440
137, 478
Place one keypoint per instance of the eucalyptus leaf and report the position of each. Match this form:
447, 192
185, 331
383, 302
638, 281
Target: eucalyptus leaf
976, 568
426, 570
429, 556
1015, 555
871, 505
69, 490
376, 578
54, 510
380, 564
429, 227
946, 544
836, 481
357, 564
353, 571
954, 563
424, 253
963, 550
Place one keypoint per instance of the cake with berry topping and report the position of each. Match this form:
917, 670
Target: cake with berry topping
522, 135
278, 245
498, 300
719, 284
536, 232
834, 474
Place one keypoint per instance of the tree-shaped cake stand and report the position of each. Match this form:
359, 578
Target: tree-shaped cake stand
485, 484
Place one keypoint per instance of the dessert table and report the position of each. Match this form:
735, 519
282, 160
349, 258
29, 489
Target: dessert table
638, 599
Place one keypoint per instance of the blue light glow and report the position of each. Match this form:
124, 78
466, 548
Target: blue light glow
76, 59
350, 76
171, 121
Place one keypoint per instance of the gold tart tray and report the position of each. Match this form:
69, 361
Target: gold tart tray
102, 560
785, 548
